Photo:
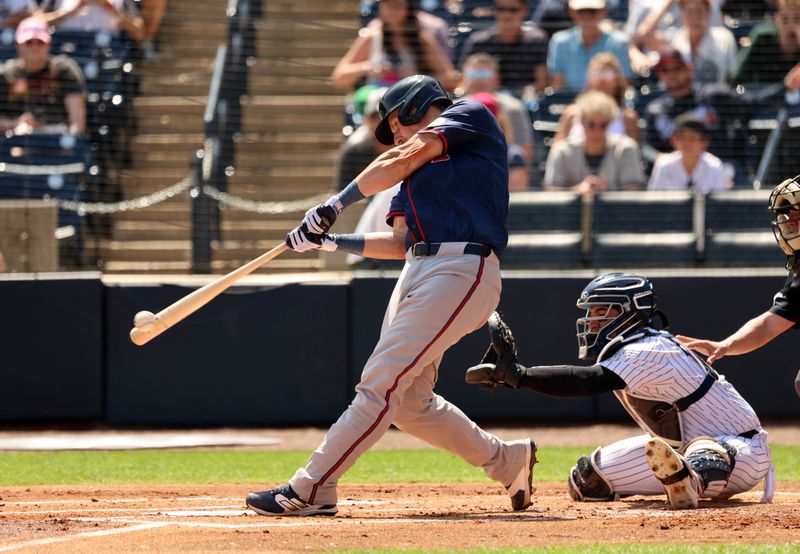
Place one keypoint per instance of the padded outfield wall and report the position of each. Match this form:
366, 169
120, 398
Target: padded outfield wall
276, 352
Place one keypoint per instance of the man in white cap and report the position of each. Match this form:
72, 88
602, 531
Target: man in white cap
570, 50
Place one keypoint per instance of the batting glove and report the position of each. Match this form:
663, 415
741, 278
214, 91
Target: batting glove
300, 240
319, 219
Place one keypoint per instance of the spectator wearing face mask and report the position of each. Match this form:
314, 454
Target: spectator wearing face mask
605, 75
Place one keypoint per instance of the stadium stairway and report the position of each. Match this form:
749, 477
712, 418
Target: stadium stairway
292, 124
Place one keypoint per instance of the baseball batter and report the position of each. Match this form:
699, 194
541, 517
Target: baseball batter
448, 222
785, 311
702, 439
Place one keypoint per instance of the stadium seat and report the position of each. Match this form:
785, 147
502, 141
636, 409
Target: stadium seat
545, 112
544, 230
643, 229
44, 167
737, 229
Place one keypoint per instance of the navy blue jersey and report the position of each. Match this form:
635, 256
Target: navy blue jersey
461, 196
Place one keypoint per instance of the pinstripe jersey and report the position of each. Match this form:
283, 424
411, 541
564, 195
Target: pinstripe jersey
657, 368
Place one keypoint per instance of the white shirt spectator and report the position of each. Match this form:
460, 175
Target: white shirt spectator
714, 59
93, 17
639, 9
669, 174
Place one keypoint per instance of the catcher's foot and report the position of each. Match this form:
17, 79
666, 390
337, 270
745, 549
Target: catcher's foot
521, 489
283, 501
669, 467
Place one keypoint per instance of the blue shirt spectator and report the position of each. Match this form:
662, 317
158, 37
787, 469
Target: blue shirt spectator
570, 50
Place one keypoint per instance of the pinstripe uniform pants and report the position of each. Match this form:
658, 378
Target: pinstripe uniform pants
625, 466
436, 301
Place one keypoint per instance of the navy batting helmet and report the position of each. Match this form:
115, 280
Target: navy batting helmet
412, 97
634, 301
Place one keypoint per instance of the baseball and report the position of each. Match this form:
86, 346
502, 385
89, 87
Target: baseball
144, 321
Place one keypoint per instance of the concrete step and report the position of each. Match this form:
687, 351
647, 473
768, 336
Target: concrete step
175, 212
127, 231
147, 250
286, 64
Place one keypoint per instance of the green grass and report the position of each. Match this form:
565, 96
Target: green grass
237, 466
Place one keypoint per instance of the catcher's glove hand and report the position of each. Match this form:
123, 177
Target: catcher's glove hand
499, 365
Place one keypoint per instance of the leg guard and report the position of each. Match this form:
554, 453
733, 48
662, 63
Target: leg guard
587, 483
713, 461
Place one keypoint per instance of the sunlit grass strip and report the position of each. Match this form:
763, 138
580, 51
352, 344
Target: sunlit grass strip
251, 466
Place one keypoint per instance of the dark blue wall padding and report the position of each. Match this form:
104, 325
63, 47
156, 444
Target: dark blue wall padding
254, 355
51, 364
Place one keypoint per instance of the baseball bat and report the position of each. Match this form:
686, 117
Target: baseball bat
186, 306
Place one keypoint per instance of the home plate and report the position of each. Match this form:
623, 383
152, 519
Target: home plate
203, 513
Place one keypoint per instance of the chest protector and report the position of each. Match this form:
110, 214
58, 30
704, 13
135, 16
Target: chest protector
660, 419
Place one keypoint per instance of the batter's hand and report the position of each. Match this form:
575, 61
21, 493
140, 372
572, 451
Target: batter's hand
713, 349
319, 219
300, 240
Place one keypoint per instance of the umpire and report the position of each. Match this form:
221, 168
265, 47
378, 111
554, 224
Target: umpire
785, 311
448, 222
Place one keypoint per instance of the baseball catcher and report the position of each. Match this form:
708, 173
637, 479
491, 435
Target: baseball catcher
701, 438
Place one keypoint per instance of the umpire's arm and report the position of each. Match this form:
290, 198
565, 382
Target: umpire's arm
399, 162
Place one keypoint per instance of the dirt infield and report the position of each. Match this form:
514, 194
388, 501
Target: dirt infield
213, 518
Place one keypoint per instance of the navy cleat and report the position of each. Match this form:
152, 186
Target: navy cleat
521, 489
283, 501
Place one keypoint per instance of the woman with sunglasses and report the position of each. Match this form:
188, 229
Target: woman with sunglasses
397, 48
598, 161
604, 74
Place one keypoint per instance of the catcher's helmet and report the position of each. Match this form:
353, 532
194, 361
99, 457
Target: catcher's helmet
633, 297
412, 97
785, 202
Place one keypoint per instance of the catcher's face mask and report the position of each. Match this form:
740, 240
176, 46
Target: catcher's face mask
600, 324
785, 202
613, 304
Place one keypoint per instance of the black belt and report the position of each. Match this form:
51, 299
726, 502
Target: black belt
687, 401
422, 249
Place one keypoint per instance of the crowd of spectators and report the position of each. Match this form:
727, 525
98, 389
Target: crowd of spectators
658, 93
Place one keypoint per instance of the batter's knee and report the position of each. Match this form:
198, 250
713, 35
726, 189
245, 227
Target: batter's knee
587, 483
713, 461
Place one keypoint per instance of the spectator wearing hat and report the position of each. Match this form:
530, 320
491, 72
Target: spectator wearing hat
14, 11
40, 92
480, 74
774, 48
598, 161
521, 52
689, 166
570, 50
361, 147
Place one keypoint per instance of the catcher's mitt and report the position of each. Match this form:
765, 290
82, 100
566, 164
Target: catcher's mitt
499, 365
